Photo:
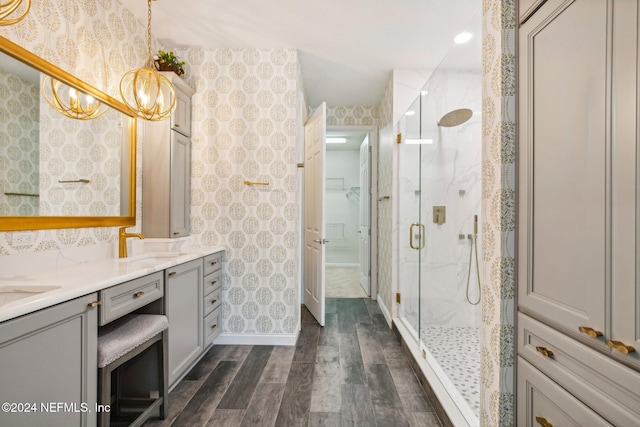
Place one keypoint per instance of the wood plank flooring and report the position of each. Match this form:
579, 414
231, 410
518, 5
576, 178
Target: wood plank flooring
352, 372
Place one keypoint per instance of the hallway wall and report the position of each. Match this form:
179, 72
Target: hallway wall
497, 399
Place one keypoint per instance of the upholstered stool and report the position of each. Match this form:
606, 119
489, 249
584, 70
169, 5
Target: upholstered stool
123, 340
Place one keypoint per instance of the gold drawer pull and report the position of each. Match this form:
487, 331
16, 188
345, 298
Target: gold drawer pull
94, 304
214, 326
173, 273
214, 262
625, 349
213, 301
213, 282
590, 331
176, 233
138, 294
545, 351
543, 422
177, 125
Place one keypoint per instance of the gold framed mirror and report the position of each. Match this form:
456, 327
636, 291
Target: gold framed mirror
57, 171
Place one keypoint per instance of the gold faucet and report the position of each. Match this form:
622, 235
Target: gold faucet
122, 241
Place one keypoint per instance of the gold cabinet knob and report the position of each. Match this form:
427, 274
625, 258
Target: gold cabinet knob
590, 331
543, 422
545, 351
213, 301
138, 294
171, 274
624, 349
214, 326
94, 304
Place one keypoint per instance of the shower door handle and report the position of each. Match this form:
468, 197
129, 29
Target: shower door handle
421, 243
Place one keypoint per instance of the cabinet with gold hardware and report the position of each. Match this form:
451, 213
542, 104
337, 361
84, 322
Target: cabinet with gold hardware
579, 203
542, 403
50, 356
166, 170
127, 297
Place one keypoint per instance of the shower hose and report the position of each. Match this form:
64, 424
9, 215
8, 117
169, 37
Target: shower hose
474, 245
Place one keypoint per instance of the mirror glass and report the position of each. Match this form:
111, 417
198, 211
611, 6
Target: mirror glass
55, 166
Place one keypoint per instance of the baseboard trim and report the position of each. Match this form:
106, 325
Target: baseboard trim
256, 339
385, 311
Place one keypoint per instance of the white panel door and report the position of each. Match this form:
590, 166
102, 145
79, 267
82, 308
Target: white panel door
314, 241
364, 252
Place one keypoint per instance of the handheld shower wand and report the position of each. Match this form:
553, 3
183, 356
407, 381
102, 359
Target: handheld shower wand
474, 245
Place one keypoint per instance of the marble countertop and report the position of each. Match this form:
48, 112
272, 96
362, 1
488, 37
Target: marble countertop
84, 277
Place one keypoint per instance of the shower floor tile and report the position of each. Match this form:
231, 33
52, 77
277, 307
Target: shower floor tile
457, 350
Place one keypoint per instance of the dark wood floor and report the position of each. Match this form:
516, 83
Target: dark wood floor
352, 372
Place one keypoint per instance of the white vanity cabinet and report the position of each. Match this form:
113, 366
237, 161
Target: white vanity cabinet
50, 357
578, 235
166, 169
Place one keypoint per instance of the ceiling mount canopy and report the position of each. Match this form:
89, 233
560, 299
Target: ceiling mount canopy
9, 7
149, 94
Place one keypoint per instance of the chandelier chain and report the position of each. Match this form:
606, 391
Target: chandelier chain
150, 59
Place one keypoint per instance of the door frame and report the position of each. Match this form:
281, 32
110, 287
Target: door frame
373, 168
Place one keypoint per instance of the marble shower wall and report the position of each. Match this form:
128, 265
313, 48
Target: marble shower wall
97, 42
18, 144
450, 175
244, 127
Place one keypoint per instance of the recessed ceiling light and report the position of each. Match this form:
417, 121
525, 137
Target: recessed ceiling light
336, 140
463, 37
410, 113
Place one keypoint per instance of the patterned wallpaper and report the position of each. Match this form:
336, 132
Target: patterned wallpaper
73, 149
352, 116
244, 128
19, 113
385, 207
96, 41
498, 212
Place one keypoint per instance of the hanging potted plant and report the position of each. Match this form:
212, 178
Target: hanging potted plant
168, 61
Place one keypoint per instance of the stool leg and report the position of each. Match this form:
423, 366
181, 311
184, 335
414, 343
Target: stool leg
163, 367
104, 397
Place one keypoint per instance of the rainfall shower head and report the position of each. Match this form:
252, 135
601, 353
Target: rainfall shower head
455, 118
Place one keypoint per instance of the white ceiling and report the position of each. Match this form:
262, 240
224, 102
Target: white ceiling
347, 48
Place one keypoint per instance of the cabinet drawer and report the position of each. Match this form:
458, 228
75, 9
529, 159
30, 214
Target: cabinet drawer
541, 400
129, 296
212, 301
611, 389
212, 326
212, 282
212, 263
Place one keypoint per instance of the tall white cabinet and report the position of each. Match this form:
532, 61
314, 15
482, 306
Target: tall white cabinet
166, 169
578, 232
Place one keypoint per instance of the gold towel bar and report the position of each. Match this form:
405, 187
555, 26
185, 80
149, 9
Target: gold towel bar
84, 181
22, 194
255, 183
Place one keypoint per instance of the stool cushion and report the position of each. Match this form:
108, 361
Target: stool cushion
123, 335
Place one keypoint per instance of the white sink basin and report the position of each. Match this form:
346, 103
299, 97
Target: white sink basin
9, 293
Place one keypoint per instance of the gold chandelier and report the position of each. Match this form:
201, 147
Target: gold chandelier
9, 7
71, 102
147, 93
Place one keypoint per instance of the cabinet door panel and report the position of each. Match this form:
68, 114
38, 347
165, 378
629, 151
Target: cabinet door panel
183, 301
181, 118
540, 399
180, 185
563, 170
625, 315
51, 356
